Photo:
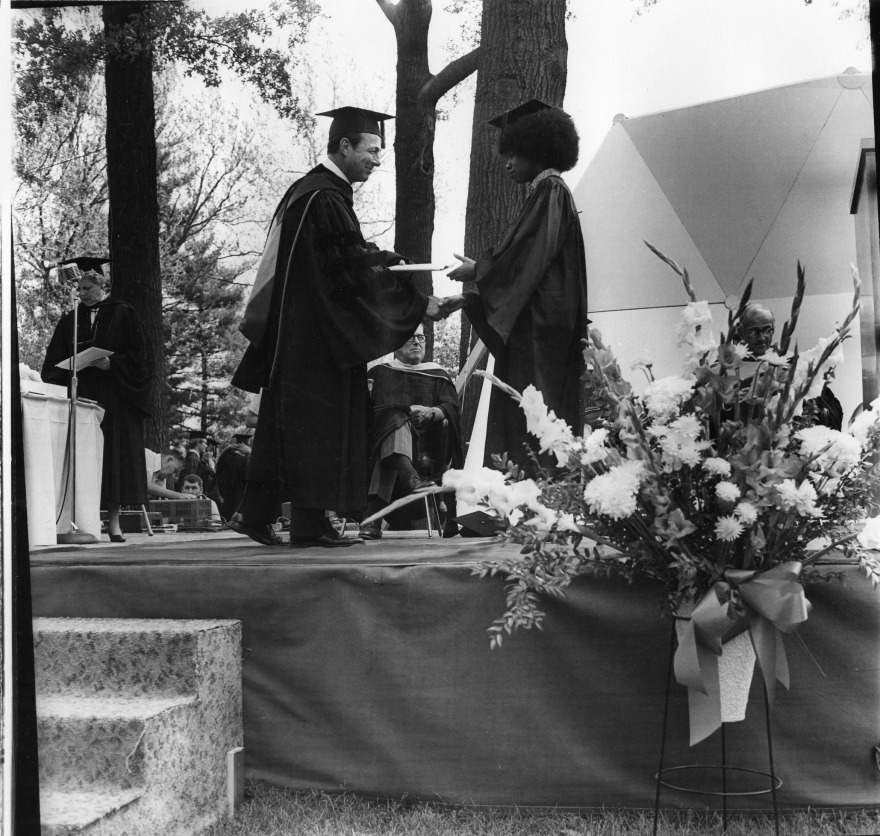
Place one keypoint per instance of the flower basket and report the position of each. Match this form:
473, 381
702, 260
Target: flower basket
717, 482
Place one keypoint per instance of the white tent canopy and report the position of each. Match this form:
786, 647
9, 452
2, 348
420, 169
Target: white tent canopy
733, 189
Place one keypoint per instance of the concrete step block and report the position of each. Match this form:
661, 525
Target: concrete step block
178, 753
135, 656
68, 813
100, 743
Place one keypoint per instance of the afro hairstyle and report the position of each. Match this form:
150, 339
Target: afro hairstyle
547, 137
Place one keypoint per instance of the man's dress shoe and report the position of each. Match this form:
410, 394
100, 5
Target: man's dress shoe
371, 531
262, 533
329, 538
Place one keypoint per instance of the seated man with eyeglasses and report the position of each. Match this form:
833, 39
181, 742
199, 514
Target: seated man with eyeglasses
416, 428
756, 329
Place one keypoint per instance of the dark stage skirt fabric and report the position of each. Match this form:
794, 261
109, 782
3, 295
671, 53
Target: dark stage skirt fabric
373, 674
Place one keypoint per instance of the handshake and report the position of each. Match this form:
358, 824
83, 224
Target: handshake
441, 308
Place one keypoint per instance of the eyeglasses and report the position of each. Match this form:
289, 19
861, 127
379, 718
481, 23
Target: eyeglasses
765, 331
417, 338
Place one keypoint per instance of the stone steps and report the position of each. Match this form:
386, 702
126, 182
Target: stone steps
67, 813
135, 718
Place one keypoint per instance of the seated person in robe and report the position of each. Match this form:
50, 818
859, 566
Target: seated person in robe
416, 413
756, 329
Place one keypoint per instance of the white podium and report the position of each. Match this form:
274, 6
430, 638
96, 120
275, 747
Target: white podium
47, 479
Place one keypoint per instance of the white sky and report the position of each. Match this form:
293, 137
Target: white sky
677, 53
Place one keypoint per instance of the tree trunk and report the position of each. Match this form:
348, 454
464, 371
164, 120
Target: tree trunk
132, 186
414, 145
523, 55
418, 92
203, 423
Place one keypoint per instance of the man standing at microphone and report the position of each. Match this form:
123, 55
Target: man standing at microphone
120, 383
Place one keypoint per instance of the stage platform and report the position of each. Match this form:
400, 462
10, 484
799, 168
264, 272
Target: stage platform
369, 669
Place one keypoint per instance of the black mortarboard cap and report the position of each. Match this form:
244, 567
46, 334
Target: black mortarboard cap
525, 109
88, 262
356, 120
195, 435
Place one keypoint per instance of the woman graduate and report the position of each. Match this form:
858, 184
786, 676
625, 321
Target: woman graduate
120, 383
530, 302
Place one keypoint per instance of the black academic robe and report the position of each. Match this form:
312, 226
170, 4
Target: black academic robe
395, 390
341, 308
123, 390
530, 309
231, 474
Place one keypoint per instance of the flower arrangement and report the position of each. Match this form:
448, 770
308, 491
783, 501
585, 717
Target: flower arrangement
713, 482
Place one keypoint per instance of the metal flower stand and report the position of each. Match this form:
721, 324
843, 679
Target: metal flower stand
662, 771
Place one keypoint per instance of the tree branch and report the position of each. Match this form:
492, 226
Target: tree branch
453, 73
390, 11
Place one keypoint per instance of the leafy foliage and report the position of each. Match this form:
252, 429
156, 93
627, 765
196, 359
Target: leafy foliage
55, 58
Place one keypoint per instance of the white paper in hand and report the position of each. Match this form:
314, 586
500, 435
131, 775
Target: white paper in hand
85, 358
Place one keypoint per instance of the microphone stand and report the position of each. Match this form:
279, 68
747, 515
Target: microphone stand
74, 536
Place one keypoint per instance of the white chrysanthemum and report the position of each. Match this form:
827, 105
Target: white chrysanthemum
728, 528
664, 397
727, 492
688, 425
716, 466
740, 349
869, 536
679, 448
614, 493
801, 499
747, 512
844, 450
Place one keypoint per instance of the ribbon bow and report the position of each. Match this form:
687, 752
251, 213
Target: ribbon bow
774, 603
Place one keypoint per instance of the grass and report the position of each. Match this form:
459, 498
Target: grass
274, 811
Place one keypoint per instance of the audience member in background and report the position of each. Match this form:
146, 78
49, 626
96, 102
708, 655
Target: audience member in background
200, 462
756, 329
232, 470
193, 488
416, 429
160, 469
121, 383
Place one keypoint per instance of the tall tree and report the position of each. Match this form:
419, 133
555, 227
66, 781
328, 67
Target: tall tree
523, 55
418, 93
132, 185
136, 38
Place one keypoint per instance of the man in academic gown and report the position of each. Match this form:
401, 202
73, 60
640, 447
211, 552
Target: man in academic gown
756, 329
416, 427
120, 383
231, 471
323, 305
